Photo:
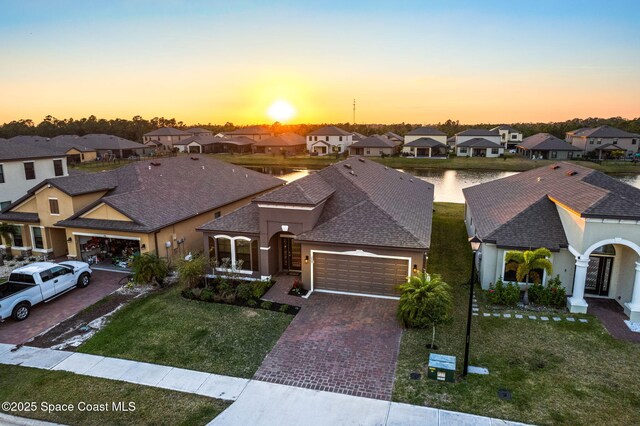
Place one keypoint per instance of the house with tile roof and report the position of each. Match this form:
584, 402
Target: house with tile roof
164, 138
589, 221
604, 140
356, 227
146, 206
543, 146
509, 136
374, 146
329, 140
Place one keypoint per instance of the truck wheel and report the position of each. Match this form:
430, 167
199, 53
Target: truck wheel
84, 280
21, 312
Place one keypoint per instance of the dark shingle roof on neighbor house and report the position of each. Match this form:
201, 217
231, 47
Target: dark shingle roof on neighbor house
28, 147
546, 142
479, 143
366, 204
507, 128
424, 143
373, 142
158, 193
250, 130
329, 131
197, 130
99, 141
284, 139
478, 132
425, 131
603, 132
167, 131
520, 211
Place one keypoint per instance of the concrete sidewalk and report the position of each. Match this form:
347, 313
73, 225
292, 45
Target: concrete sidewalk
256, 402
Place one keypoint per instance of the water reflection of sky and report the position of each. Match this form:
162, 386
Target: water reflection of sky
448, 183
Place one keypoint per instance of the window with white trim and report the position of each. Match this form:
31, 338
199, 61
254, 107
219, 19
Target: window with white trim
463, 149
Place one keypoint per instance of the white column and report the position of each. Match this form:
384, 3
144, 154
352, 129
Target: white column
429, 152
576, 302
633, 308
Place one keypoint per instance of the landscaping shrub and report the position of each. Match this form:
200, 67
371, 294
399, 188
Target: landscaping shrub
244, 291
260, 288
207, 295
501, 294
252, 302
284, 308
148, 268
266, 304
191, 272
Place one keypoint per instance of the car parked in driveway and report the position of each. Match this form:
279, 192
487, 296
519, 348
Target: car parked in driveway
40, 282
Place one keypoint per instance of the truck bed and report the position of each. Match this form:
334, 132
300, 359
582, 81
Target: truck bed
10, 288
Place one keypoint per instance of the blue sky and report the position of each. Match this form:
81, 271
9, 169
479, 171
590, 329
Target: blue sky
422, 61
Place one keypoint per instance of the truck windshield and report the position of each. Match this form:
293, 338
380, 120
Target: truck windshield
22, 278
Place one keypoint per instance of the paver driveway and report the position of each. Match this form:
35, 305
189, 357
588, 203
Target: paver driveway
45, 315
344, 344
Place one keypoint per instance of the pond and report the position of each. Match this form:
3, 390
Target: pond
448, 183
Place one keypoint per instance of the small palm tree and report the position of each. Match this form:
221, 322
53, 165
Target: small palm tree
7, 231
425, 300
528, 261
147, 268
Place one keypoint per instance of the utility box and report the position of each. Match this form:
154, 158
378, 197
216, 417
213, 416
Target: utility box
442, 367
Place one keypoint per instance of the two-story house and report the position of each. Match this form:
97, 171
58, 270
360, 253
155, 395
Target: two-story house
604, 140
164, 138
328, 140
425, 142
478, 143
25, 162
509, 137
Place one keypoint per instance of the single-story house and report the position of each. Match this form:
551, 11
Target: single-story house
285, 143
373, 146
589, 221
355, 227
203, 143
146, 206
328, 140
233, 144
543, 146
425, 147
479, 147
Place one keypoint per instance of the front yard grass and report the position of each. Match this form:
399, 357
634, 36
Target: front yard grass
558, 372
153, 406
167, 329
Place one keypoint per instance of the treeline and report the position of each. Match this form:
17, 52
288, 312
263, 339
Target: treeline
134, 128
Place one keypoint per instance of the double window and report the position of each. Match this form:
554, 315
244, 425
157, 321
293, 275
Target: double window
495, 151
29, 170
236, 253
463, 149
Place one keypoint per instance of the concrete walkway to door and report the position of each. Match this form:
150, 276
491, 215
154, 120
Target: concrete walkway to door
338, 343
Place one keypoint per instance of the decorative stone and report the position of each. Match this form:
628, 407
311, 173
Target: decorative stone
583, 320
532, 317
557, 318
544, 318
518, 316
570, 319
507, 315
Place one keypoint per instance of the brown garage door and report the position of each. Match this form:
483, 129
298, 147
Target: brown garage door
358, 274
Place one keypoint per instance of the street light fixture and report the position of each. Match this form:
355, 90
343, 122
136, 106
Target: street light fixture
475, 243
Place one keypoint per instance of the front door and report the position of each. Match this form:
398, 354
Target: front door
598, 275
291, 254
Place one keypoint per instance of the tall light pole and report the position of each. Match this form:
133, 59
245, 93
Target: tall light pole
475, 246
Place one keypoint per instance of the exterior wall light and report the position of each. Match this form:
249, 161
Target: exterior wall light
415, 268
306, 259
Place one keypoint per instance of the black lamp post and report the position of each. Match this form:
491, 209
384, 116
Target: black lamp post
475, 246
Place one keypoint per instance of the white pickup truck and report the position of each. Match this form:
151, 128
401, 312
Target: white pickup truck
40, 282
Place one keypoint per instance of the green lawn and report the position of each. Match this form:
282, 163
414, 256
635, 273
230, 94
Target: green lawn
167, 329
559, 373
153, 406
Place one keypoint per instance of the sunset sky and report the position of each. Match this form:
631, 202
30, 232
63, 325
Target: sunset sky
417, 62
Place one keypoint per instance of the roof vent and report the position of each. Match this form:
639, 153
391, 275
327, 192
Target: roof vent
361, 160
352, 173
401, 178
149, 167
539, 178
233, 170
202, 167
246, 175
386, 168
195, 158
348, 166
571, 173
155, 164
410, 180
554, 167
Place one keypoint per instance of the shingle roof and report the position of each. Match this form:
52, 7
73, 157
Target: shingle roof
235, 140
167, 131
373, 142
603, 132
155, 196
329, 131
392, 135
609, 147
285, 139
29, 147
103, 141
589, 193
507, 128
20, 216
367, 204
478, 132
479, 143
546, 142
251, 130
196, 130
426, 131
424, 143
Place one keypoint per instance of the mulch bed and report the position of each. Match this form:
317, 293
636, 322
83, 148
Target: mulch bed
259, 304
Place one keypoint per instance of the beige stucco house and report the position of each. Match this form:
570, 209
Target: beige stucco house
374, 146
589, 221
543, 146
603, 140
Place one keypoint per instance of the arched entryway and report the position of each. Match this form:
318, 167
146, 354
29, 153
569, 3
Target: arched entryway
599, 271
288, 256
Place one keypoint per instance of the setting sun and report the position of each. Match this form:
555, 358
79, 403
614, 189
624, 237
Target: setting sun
281, 111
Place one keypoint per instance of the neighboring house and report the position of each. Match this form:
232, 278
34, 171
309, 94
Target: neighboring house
425, 147
490, 135
255, 133
285, 143
543, 146
146, 206
425, 132
328, 140
164, 138
233, 144
105, 146
355, 227
396, 138
588, 220
509, 137
479, 147
604, 138
76, 153
373, 146
198, 144
199, 131
26, 161
357, 136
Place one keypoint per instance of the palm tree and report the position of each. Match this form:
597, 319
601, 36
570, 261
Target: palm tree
528, 261
7, 231
425, 300
148, 267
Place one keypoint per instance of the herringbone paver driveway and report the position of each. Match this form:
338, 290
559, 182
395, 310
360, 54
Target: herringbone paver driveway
344, 344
